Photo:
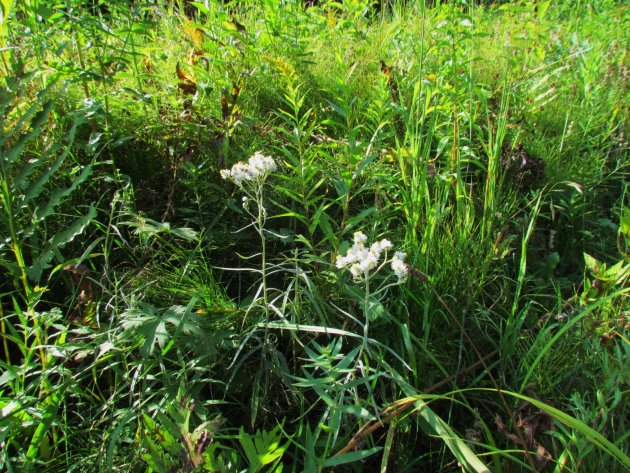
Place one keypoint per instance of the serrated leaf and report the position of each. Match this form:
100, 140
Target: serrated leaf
42, 212
263, 448
592, 264
36, 188
42, 262
38, 120
147, 227
250, 450
151, 323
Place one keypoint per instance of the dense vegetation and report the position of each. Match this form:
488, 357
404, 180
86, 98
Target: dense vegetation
422, 262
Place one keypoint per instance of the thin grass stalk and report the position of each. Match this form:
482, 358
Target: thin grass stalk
134, 56
390, 413
591, 434
79, 49
572, 322
7, 6
29, 296
512, 326
493, 149
481, 358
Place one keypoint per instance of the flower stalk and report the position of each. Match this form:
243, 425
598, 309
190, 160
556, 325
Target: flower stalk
250, 177
364, 263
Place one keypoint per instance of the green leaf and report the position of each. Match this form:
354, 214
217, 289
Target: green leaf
147, 228
365, 163
358, 411
591, 264
42, 262
250, 450
263, 448
458, 447
624, 227
389, 440
151, 323
10, 373
591, 435
38, 120
351, 457
326, 228
359, 218
42, 212
157, 440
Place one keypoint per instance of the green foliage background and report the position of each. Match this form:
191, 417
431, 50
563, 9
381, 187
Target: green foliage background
148, 325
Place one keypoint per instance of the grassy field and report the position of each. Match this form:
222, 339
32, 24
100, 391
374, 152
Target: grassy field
344, 236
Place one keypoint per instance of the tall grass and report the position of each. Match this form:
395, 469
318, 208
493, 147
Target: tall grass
153, 320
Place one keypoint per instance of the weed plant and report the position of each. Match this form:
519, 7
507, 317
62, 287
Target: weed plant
188, 189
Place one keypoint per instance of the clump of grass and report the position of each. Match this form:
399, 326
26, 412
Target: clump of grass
182, 330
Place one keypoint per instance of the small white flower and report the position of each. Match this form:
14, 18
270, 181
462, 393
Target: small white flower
260, 165
355, 269
359, 238
386, 244
400, 255
376, 248
257, 168
370, 261
399, 267
360, 260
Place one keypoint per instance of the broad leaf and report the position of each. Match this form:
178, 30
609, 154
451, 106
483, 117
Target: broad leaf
151, 323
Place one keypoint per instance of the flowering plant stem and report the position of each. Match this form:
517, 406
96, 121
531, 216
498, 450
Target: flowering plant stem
259, 219
364, 262
366, 317
250, 178
260, 224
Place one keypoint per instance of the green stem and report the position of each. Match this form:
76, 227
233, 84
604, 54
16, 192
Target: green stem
29, 296
366, 312
342, 226
366, 317
15, 247
3, 331
263, 241
79, 48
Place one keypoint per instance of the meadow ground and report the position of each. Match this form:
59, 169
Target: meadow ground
348, 236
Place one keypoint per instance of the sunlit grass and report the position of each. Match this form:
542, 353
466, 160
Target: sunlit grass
153, 320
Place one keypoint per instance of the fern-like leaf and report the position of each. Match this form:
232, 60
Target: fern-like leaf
151, 324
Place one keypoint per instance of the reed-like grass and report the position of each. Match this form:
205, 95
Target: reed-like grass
153, 320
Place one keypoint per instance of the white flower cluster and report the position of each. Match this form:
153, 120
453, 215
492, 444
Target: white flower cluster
257, 169
398, 265
360, 259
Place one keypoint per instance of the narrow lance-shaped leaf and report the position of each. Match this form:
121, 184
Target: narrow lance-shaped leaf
20, 181
36, 188
43, 212
40, 117
351, 457
60, 239
458, 447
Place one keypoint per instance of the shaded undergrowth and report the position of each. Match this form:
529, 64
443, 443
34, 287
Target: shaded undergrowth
156, 317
